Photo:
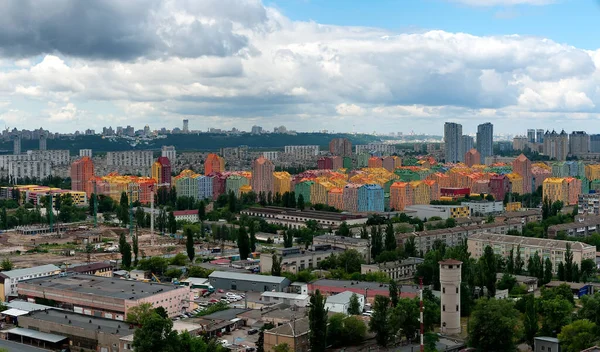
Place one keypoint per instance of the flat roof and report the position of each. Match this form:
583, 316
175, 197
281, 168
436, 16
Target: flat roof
14, 312
362, 285
342, 297
315, 214
53, 338
27, 306
86, 322
246, 277
103, 286
342, 239
284, 295
293, 328
30, 271
529, 241
227, 314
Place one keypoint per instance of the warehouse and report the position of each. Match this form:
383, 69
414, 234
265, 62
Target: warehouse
247, 282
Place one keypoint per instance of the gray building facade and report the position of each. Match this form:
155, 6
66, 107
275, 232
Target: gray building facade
247, 282
485, 140
452, 141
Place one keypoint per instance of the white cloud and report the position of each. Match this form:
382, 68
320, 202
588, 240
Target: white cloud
294, 71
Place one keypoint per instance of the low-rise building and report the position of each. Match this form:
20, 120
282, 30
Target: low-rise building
83, 331
484, 207
295, 218
247, 282
295, 334
362, 246
105, 297
546, 248
97, 269
10, 278
524, 216
583, 226
330, 287
530, 282
396, 270
341, 302
296, 259
424, 211
546, 344
290, 299
187, 215
589, 204
455, 236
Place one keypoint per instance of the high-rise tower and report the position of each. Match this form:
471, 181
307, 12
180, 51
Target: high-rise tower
485, 140
453, 141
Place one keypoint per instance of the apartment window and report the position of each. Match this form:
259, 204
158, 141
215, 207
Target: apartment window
457, 308
457, 289
444, 308
443, 290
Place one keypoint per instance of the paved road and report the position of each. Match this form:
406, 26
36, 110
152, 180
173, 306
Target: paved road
17, 347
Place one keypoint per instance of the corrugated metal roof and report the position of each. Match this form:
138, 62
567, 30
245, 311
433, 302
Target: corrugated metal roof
37, 335
341, 298
246, 277
31, 271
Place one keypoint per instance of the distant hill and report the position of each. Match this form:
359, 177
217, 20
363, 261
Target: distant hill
192, 142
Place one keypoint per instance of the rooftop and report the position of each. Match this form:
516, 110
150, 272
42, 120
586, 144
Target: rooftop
103, 286
246, 277
530, 241
395, 264
227, 314
42, 269
362, 285
90, 267
573, 285
312, 214
297, 327
342, 240
284, 295
342, 298
86, 322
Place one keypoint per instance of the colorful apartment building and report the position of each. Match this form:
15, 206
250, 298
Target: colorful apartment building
472, 157
565, 189
592, 172
335, 198
233, 184
370, 198
319, 191
391, 163
82, 170
375, 162
522, 166
282, 182
161, 170
205, 187
516, 182
421, 192
262, 176
401, 195
304, 188
350, 196
214, 164
112, 185
499, 186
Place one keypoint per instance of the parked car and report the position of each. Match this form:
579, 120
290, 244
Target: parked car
252, 331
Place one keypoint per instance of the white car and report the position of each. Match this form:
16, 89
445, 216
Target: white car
224, 343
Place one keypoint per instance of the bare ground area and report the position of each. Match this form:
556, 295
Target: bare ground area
16, 246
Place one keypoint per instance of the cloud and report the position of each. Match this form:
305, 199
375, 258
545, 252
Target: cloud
125, 30
484, 3
300, 74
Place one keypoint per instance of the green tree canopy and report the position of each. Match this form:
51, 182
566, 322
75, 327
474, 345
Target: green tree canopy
494, 325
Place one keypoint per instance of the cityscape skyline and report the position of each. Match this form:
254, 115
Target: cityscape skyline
300, 64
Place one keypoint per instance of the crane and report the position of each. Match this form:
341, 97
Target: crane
152, 209
155, 278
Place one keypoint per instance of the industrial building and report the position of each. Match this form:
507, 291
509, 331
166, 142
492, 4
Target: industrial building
247, 282
10, 278
296, 259
105, 297
297, 218
341, 302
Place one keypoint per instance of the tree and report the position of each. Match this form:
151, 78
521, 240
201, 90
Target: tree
335, 330
405, 317
126, 256
410, 247
507, 282
243, 243
568, 263
179, 259
140, 313
189, 244
376, 241
343, 230
390, 238
3, 218
519, 262
354, 305
252, 230
556, 313
487, 265
136, 248
354, 330
276, 266
450, 222
6, 265
547, 271
123, 208
288, 239
363, 233
379, 323
588, 269
561, 272
140, 217
530, 319
393, 289
201, 211
172, 223
156, 334
577, 336
300, 203
430, 340
510, 262
317, 317
282, 347
494, 325
350, 261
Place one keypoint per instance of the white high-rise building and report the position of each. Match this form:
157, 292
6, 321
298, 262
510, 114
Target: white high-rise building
301, 152
169, 152
142, 158
186, 126
43, 140
453, 141
85, 152
17, 145
450, 278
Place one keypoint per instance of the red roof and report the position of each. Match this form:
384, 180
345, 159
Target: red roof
185, 212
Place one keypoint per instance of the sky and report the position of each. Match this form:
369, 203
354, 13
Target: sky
338, 65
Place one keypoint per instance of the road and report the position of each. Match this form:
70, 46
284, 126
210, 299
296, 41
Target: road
17, 347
